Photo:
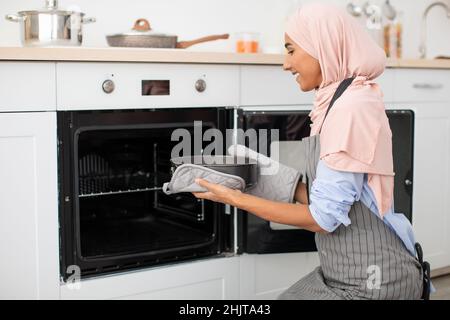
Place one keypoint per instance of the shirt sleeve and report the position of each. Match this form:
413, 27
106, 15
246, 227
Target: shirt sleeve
332, 195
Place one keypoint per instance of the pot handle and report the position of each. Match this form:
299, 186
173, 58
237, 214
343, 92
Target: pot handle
12, 18
88, 20
186, 44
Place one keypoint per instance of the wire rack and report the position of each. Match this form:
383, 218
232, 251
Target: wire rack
97, 178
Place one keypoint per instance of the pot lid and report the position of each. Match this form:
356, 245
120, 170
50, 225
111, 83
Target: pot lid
142, 28
51, 7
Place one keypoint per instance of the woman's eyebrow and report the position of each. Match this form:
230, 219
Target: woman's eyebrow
287, 44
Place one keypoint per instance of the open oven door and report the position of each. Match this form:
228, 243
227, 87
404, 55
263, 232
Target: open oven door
402, 127
256, 235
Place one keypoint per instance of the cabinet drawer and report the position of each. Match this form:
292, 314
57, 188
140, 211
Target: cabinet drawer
27, 86
412, 85
271, 85
80, 85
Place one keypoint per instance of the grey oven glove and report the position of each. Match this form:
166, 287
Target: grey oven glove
183, 179
276, 181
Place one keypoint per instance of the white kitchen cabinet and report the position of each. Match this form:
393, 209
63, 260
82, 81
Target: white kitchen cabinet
28, 206
270, 85
426, 92
27, 86
431, 182
266, 276
413, 85
216, 278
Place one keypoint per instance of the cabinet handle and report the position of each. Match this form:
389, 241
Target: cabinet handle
428, 86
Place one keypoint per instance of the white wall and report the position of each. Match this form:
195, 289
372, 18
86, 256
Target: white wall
195, 18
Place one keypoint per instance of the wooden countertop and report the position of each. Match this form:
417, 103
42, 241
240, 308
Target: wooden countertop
173, 56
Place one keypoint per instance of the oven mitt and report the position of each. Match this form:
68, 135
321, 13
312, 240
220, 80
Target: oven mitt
183, 179
276, 181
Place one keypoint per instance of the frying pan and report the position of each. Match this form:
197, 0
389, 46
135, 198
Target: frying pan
142, 35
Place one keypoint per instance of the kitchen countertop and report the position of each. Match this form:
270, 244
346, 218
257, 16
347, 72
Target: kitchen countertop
175, 56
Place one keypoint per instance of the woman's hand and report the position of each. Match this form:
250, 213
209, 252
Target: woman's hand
217, 193
285, 213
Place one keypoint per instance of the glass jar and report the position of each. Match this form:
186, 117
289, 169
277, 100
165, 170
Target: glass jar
393, 31
247, 42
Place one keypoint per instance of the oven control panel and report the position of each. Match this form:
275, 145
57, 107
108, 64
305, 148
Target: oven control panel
145, 85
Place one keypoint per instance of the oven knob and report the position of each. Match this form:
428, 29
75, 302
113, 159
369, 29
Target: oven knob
200, 85
108, 86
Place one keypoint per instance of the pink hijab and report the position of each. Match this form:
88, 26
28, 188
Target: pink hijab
356, 136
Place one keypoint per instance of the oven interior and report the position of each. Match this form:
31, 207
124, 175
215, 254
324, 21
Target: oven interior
113, 213
121, 208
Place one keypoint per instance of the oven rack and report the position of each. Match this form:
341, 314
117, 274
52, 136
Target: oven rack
114, 184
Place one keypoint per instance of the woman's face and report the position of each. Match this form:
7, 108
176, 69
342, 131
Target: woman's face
305, 68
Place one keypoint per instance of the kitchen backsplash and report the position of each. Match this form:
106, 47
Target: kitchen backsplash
196, 18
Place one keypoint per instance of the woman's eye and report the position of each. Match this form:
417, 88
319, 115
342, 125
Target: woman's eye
291, 52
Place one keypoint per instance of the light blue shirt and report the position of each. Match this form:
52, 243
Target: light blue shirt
333, 193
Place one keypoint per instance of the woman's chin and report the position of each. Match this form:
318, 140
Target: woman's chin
303, 87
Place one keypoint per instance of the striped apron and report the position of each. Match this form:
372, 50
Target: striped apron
365, 260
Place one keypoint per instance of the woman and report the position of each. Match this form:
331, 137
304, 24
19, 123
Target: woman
366, 250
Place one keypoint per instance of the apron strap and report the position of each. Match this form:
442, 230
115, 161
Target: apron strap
339, 91
426, 273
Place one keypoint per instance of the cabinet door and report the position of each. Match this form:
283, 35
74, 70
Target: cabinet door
28, 206
431, 216
199, 280
27, 86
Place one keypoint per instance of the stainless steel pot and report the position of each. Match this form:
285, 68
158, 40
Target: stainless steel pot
142, 35
50, 26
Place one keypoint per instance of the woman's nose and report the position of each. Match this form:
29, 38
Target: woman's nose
286, 66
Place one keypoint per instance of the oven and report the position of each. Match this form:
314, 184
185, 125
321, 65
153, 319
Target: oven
113, 213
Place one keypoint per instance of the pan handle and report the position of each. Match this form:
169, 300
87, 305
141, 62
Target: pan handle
186, 44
